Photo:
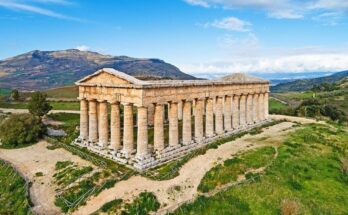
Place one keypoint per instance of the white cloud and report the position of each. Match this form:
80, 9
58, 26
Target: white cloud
230, 23
202, 3
83, 48
280, 9
24, 6
292, 63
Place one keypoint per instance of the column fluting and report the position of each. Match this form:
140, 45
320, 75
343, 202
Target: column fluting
186, 123
199, 120
128, 126
228, 113
209, 118
93, 121
256, 111
249, 109
219, 127
142, 138
103, 124
173, 125
158, 127
84, 119
242, 110
235, 112
115, 142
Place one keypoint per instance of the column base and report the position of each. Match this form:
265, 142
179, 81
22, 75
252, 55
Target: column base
157, 158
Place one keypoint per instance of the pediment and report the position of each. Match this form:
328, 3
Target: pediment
109, 77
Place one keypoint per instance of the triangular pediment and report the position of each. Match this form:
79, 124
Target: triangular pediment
109, 77
242, 78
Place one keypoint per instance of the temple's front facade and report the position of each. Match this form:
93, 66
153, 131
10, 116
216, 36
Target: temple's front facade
118, 112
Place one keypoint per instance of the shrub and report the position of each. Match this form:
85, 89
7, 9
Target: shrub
289, 207
20, 129
38, 106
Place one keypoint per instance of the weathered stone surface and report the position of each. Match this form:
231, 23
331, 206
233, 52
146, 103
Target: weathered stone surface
84, 119
238, 102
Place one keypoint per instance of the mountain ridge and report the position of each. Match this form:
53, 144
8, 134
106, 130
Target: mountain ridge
36, 70
307, 84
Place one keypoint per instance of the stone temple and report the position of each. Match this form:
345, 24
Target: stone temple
146, 123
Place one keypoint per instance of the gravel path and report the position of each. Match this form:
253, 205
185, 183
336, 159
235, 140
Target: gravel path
37, 158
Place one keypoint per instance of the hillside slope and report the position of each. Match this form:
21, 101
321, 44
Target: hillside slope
306, 84
47, 69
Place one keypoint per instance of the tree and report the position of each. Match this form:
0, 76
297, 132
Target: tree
20, 129
15, 94
38, 106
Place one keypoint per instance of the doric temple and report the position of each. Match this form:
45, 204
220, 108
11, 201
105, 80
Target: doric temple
146, 123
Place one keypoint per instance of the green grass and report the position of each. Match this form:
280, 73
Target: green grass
308, 170
5, 92
63, 164
276, 105
68, 92
232, 168
70, 174
55, 105
143, 204
13, 197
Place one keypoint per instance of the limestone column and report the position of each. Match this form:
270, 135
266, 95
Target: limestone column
242, 107
173, 124
115, 130
227, 113
199, 120
249, 109
265, 98
142, 139
256, 111
103, 124
93, 121
261, 107
84, 119
218, 116
186, 123
235, 112
128, 132
180, 110
158, 127
209, 118
150, 114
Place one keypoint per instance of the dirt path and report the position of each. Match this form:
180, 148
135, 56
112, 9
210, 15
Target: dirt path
37, 158
190, 174
295, 119
11, 110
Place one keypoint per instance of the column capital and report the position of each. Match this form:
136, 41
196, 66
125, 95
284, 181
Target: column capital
101, 100
113, 102
127, 104
81, 98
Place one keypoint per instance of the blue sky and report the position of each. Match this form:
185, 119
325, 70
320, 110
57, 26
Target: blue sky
199, 36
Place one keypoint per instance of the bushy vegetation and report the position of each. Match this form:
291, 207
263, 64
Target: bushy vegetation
20, 130
70, 174
314, 108
38, 106
325, 87
308, 176
232, 168
13, 193
144, 204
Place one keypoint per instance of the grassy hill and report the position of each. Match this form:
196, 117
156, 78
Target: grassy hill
307, 84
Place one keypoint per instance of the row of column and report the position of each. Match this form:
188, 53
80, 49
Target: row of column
229, 112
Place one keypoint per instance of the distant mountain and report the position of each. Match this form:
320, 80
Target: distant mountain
46, 69
306, 84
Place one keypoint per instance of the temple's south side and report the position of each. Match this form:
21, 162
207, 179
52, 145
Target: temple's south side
118, 112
